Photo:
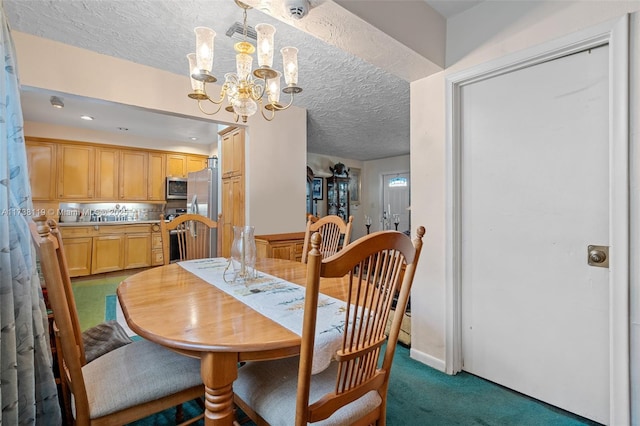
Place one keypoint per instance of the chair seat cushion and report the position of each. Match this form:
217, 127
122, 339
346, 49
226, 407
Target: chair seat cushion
269, 387
103, 338
136, 373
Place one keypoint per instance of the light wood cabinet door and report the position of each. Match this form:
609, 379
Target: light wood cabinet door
134, 166
107, 173
41, 160
232, 210
196, 163
176, 165
78, 253
232, 153
137, 251
157, 176
107, 254
76, 172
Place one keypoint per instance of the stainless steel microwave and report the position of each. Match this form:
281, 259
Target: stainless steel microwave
176, 188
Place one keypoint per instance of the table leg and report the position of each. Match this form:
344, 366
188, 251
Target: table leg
218, 371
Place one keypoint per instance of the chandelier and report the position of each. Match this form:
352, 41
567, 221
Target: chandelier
245, 92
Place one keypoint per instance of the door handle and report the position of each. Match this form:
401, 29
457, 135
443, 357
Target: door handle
598, 256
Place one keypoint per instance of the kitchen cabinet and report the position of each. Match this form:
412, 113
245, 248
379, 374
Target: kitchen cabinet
107, 254
107, 171
196, 163
232, 210
78, 253
76, 171
232, 152
280, 246
137, 250
176, 165
232, 173
157, 175
180, 165
78, 247
133, 175
95, 249
42, 164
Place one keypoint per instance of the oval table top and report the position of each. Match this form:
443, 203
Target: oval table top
173, 307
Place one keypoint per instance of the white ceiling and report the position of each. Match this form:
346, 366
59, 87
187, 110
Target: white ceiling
355, 110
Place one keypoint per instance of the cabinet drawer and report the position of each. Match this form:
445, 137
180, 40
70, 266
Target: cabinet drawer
123, 229
156, 257
76, 231
156, 241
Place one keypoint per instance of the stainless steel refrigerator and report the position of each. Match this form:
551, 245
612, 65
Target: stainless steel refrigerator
202, 197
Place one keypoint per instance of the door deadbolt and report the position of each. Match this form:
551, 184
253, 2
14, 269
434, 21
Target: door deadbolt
598, 256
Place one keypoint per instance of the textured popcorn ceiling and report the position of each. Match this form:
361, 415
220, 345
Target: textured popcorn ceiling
355, 109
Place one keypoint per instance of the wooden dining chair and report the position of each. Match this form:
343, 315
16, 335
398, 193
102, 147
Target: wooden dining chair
353, 390
335, 232
193, 234
125, 384
96, 340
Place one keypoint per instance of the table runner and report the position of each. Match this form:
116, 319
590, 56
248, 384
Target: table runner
281, 301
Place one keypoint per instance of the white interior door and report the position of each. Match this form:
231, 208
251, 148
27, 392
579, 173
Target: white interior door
535, 193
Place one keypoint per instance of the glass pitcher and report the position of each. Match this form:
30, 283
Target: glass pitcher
243, 253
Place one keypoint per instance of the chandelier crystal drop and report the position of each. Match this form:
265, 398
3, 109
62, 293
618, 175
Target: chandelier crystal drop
245, 91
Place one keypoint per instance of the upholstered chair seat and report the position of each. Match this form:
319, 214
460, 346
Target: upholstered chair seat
135, 374
268, 389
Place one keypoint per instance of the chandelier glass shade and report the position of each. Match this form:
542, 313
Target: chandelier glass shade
245, 91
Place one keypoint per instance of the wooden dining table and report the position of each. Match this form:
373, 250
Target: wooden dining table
171, 306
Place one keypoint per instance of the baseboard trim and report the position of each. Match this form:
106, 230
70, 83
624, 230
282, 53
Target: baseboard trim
427, 359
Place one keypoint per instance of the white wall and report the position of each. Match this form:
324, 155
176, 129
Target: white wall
486, 32
275, 190
276, 170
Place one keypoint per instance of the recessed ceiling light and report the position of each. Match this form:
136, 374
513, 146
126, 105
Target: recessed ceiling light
56, 102
86, 117
193, 138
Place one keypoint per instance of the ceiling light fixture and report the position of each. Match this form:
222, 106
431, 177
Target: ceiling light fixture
245, 95
86, 117
56, 102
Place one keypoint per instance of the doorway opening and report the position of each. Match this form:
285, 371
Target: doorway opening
396, 202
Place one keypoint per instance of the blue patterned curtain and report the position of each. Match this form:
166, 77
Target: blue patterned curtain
28, 392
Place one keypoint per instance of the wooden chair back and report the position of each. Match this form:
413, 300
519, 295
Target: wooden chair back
193, 232
335, 233
38, 223
55, 271
378, 266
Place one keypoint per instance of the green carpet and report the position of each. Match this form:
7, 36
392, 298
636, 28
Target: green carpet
418, 395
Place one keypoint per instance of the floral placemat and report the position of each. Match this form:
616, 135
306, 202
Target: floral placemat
281, 301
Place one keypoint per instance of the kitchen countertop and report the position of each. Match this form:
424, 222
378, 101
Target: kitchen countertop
107, 223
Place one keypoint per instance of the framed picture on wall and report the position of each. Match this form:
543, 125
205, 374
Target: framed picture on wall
317, 189
354, 185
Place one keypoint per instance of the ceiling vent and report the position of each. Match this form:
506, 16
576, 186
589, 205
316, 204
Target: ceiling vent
236, 31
